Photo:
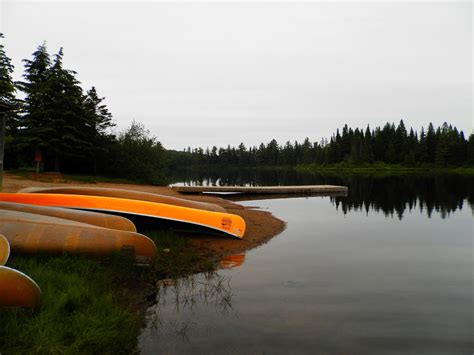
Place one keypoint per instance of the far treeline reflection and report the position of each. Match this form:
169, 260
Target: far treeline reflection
390, 194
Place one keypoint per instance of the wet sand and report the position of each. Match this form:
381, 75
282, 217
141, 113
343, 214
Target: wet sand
261, 225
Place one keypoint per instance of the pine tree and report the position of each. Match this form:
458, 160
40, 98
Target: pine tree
7, 87
399, 141
470, 149
367, 154
55, 121
75, 136
99, 121
37, 131
7, 96
410, 148
430, 144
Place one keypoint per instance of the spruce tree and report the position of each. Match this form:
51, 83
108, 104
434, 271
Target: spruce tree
470, 149
54, 122
74, 134
7, 96
366, 154
98, 121
430, 143
400, 141
37, 131
7, 87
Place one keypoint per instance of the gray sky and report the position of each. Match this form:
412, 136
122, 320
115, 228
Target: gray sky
218, 73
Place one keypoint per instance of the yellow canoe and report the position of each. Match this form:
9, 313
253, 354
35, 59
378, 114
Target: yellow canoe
123, 193
18, 289
97, 219
30, 233
4, 250
224, 223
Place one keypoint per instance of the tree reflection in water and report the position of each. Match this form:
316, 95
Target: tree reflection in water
394, 195
391, 194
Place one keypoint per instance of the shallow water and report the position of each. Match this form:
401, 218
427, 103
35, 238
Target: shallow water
355, 275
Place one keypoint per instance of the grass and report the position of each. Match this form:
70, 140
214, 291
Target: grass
81, 309
90, 305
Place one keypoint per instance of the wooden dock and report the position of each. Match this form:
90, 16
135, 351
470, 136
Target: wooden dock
268, 190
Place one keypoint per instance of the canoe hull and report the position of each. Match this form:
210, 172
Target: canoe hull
127, 194
34, 236
4, 250
17, 289
97, 219
225, 223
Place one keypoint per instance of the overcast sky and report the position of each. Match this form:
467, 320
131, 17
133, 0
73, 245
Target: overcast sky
218, 73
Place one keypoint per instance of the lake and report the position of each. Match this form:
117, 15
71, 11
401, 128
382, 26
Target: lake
385, 270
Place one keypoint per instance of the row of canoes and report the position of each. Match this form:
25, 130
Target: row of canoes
133, 203
72, 220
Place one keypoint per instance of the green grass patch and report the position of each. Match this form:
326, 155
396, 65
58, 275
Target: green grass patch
91, 305
81, 312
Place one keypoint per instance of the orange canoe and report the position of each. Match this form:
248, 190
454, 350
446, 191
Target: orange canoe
17, 289
4, 250
225, 223
29, 233
97, 219
123, 193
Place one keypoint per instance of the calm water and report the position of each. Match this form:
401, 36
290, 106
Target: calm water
386, 270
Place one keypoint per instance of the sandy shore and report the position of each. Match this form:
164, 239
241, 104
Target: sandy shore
261, 225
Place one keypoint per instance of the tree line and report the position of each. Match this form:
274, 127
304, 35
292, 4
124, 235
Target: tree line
443, 146
72, 130
68, 128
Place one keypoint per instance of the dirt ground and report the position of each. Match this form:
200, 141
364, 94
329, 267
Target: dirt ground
261, 226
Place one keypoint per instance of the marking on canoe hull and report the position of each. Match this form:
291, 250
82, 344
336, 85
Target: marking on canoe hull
226, 223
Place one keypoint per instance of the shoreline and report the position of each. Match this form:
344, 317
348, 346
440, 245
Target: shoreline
261, 225
130, 291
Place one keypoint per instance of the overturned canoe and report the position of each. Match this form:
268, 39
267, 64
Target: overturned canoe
223, 223
128, 194
18, 289
4, 250
30, 233
94, 218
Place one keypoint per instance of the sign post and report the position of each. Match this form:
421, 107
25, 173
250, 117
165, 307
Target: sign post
38, 159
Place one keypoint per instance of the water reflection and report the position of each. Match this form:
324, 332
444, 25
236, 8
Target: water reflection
396, 195
337, 283
179, 301
393, 195
232, 261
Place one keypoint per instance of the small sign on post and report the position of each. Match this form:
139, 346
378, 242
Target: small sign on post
4, 107
38, 159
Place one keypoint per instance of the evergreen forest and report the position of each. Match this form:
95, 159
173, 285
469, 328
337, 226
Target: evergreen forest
442, 146
71, 130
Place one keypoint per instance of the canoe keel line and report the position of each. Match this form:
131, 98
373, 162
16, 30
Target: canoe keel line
224, 223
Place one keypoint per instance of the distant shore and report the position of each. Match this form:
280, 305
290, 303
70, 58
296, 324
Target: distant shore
385, 168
